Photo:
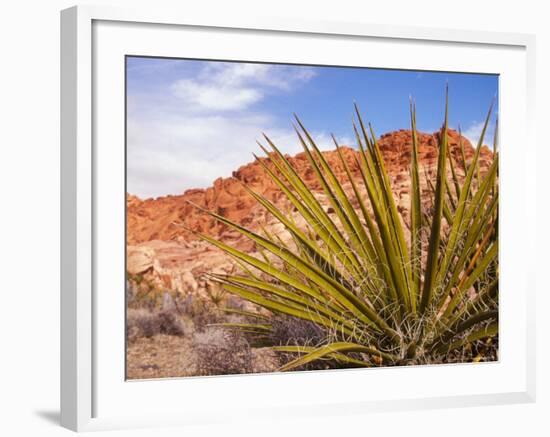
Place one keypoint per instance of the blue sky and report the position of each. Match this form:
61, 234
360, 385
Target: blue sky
189, 122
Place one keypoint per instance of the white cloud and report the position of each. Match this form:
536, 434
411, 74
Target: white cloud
473, 133
205, 126
235, 86
237, 74
170, 155
215, 97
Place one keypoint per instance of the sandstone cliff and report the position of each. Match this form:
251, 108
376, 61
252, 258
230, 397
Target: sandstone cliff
172, 258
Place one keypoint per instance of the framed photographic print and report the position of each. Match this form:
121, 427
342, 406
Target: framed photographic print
336, 215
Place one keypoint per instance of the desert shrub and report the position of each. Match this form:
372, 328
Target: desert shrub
386, 289
155, 308
221, 351
293, 332
202, 313
147, 323
215, 293
142, 293
287, 330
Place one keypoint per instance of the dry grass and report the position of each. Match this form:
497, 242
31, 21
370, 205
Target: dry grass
172, 336
222, 352
147, 323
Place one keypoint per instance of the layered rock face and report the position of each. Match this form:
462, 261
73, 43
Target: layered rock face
162, 249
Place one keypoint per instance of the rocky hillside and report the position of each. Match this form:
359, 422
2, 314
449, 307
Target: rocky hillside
172, 258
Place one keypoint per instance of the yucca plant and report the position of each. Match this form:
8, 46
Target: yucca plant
386, 289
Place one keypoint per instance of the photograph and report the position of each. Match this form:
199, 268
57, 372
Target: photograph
269, 219
288, 217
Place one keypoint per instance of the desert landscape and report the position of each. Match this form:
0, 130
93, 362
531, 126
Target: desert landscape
181, 318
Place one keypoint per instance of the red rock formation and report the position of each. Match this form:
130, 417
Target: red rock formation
169, 257
153, 219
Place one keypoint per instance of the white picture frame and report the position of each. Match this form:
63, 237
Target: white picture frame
92, 393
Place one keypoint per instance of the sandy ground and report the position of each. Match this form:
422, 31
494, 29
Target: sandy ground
160, 356
170, 356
